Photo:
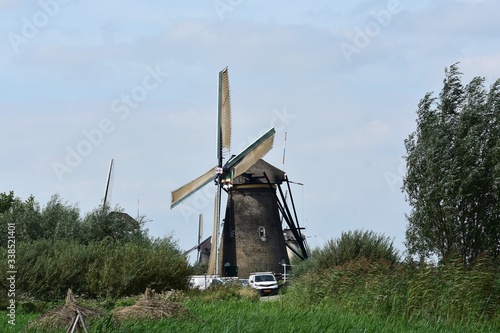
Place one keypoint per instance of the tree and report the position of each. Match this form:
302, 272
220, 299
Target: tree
25, 215
60, 221
350, 246
452, 179
103, 222
6, 201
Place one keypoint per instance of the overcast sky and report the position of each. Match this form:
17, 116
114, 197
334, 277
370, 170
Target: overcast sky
84, 82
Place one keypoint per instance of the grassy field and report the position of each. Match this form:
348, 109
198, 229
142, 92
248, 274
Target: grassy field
230, 313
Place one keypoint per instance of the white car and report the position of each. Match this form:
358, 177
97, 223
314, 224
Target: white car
264, 282
202, 282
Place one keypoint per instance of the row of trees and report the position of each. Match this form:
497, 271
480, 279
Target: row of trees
453, 172
61, 221
106, 253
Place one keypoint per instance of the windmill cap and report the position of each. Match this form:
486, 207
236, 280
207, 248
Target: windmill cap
255, 174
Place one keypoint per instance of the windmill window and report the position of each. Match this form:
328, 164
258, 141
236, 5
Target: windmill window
262, 233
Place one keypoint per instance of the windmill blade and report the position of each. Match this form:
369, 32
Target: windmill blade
185, 191
185, 253
244, 160
224, 116
200, 228
200, 235
109, 185
213, 262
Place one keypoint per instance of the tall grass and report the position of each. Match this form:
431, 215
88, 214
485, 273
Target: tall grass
240, 314
451, 294
360, 273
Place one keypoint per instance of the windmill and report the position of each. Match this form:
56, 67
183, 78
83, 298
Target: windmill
223, 173
202, 246
127, 223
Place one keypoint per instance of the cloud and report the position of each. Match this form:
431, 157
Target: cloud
449, 20
12, 4
371, 134
487, 66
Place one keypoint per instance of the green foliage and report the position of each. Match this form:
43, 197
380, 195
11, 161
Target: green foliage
46, 268
350, 246
103, 223
26, 216
369, 279
453, 173
241, 315
128, 268
101, 269
107, 254
61, 221
451, 294
6, 201
199, 268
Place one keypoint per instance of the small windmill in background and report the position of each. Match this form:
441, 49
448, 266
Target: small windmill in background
203, 246
127, 223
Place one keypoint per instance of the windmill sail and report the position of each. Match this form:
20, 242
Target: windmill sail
185, 191
224, 116
109, 185
213, 263
244, 160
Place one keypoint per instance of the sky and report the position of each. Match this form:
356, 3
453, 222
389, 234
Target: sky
84, 82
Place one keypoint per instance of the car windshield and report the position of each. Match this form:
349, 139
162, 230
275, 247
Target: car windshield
264, 278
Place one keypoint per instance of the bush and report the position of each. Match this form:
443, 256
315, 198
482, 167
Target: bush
360, 273
127, 269
449, 293
47, 269
350, 246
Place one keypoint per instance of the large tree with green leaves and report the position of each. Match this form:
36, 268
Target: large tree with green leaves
452, 181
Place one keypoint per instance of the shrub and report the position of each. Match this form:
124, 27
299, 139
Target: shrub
449, 293
350, 246
47, 269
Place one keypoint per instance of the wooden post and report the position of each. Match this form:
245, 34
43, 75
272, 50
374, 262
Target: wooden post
77, 323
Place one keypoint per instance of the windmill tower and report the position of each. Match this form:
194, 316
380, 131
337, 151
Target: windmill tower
252, 238
224, 173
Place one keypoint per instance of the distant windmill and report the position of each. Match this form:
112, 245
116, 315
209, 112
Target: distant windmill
200, 235
223, 174
127, 222
202, 246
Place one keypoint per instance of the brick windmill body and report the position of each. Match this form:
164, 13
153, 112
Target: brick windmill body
252, 238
